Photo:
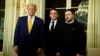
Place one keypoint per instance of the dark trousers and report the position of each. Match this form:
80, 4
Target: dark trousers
27, 52
50, 52
68, 52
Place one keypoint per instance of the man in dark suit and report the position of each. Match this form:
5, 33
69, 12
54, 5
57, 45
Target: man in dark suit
72, 35
28, 36
51, 40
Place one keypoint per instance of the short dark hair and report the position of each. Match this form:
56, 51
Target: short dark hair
54, 9
71, 10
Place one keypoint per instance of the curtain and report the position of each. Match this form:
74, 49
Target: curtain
93, 30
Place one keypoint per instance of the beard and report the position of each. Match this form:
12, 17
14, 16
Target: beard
69, 20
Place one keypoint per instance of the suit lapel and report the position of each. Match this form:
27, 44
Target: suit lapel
56, 25
26, 20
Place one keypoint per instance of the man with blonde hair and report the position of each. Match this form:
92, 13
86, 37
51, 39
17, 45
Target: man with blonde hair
28, 36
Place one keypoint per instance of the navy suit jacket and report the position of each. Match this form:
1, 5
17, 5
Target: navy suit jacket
25, 40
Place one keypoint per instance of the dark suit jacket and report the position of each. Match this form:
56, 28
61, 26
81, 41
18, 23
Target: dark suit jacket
25, 41
51, 40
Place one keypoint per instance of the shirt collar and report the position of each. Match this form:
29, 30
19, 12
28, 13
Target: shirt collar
53, 21
32, 17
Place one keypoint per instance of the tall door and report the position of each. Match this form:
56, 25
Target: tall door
80, 8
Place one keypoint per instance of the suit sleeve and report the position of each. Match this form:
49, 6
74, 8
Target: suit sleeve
16, 33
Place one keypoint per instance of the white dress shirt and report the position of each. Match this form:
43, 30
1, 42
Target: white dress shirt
55, 22
33, 18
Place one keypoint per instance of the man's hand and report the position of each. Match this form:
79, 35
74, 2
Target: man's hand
16, 49
39, 51
58, 54
78, 54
